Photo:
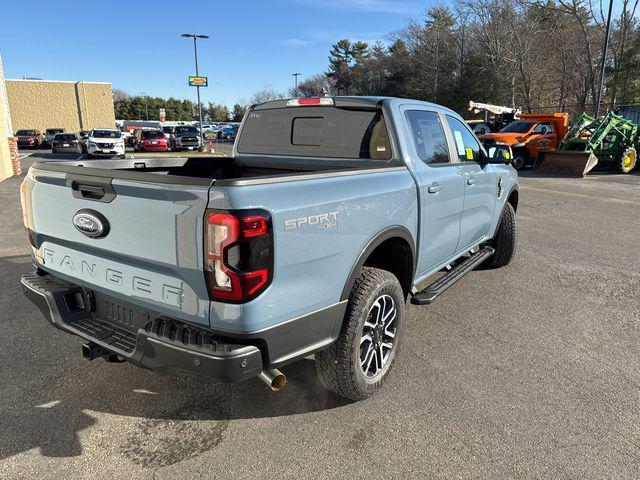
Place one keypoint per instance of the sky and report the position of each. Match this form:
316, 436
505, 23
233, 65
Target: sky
136, 46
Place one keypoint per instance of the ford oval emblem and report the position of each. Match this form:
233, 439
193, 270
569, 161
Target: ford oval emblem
91, 223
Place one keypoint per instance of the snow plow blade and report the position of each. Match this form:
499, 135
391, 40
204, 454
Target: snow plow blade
573, 164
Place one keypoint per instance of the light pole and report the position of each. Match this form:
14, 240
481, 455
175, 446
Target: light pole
604, 59
295, 76
146, 105
195, 54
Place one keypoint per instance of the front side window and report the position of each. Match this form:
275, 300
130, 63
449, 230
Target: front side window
543, 128
517, 127
428, 136
467, 147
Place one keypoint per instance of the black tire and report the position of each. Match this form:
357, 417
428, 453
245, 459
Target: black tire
122, 156
626, 162
339, 366
505, 240
519, 160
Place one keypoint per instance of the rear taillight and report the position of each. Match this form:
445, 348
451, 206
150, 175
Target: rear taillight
23, 201
238, 254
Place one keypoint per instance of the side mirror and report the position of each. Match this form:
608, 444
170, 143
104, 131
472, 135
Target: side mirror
500, 154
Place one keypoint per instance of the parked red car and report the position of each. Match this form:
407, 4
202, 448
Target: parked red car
29, 138
150, 141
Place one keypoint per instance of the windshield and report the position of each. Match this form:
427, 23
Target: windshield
51, 131
186, 130
167, 129
26, 133
105, 134
518, 127
152, 134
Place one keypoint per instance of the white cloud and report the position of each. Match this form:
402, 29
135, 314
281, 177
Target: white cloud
296, 42
386, 6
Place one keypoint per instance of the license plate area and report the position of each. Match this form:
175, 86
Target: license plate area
119, 312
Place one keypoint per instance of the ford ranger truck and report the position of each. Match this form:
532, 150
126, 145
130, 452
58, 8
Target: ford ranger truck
330, 214
529, 135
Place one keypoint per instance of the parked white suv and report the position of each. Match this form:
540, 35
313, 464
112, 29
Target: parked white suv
107, 142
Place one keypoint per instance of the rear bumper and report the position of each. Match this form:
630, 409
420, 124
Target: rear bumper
163, 345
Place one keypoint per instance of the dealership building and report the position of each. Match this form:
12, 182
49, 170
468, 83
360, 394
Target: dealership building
74, 106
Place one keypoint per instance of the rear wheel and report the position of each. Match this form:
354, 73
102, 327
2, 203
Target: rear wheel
627, 161
504, 242
359, 362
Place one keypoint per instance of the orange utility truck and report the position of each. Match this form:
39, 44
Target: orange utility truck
530, 134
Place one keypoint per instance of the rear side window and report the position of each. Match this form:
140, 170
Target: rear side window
428, 136
468, 148
316, 132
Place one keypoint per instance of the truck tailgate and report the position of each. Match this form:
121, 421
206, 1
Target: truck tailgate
150, 253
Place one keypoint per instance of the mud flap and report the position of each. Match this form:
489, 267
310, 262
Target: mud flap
573, 164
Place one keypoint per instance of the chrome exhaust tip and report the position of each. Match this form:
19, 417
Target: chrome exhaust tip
275, 379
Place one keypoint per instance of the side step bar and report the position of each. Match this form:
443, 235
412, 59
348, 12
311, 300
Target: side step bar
429, 294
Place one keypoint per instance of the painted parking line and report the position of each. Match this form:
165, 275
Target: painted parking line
582, 195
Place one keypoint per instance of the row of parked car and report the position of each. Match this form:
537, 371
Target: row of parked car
111, 141
95, 143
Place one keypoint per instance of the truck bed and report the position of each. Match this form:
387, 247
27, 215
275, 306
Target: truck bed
205, 171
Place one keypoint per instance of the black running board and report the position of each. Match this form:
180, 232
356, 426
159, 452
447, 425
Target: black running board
433, 291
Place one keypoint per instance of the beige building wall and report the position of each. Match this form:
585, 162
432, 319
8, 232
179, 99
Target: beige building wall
74, 106
6, 168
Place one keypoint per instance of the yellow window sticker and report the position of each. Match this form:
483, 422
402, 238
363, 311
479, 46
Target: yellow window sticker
469, 154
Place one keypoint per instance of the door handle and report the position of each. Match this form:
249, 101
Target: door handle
434, 188
471, 181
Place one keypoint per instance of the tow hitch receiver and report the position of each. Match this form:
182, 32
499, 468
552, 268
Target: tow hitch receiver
91, 351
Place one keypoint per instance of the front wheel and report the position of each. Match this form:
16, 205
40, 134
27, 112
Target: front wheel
359, 362
518, 160
504, 242
627, 161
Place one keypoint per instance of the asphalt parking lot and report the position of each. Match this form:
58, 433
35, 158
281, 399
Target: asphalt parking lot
531, 371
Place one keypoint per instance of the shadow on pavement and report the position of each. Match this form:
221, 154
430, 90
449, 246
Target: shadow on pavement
50, 393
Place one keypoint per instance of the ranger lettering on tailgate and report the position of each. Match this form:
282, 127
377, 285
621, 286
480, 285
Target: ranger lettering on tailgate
113, 277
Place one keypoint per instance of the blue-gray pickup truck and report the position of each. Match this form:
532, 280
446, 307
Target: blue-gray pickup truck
309, 239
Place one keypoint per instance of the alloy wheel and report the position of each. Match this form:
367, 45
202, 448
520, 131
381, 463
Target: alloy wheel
378, 335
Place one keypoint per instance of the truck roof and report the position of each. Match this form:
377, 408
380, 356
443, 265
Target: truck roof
356, 101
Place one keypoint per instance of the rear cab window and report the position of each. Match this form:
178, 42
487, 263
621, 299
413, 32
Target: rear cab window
428, 136
316, 131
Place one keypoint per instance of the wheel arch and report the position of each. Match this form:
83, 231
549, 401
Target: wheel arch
391, 249
513, 199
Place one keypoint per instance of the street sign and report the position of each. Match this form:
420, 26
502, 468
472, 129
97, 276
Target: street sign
198, 81
162, 114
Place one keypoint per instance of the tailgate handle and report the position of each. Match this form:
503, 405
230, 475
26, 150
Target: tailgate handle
91, 188
94, 192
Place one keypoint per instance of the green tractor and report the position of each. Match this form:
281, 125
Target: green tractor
611, 140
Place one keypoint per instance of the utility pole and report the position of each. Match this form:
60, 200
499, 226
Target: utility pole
295, 90
195, 53
146, 105
604, 59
